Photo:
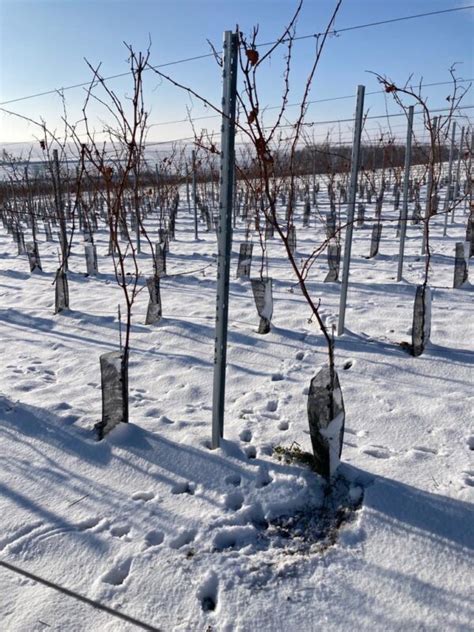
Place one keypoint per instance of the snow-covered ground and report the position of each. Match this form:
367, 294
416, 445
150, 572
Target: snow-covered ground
154, 524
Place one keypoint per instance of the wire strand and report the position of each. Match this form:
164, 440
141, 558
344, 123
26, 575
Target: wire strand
79, 597
208, 55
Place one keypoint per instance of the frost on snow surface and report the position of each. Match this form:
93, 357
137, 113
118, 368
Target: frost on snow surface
154, 524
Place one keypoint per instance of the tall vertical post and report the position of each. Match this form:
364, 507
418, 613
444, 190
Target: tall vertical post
406, 182
60, 209
234, 201
193, 160
449, 192
351, 208
429, 185
30, 207
470, 174
224, 231
188, 197
457, 186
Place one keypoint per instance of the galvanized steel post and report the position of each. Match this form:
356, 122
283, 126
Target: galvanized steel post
406, 182
193, 160
351, 207
470, 174
449, 195
224, 231
457, 186
60, 210
429, 185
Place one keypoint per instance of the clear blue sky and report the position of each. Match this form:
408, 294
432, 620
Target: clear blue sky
44, 42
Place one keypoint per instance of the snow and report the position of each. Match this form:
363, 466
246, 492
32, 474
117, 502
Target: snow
154, 524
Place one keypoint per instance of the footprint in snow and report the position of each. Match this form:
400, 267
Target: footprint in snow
118, 573
277, 377
120, 530
183, 538
283, 425
250, 452
62, 406
470, 442
154, 538
208, 592
246, 435
349, 444
234, 501
246, 411
153, 412
145, 496
165, 420
272, 405
184, 487
233, 479
234, 537
376, 452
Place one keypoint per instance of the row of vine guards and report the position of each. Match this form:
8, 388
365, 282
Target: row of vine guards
325, 408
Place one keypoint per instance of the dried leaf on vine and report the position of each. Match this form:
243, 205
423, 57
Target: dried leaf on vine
252, 56
260, 146
390, 87
262, 151
107, 171
252, 117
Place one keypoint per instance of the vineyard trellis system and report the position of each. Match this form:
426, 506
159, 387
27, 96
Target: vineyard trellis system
269, 190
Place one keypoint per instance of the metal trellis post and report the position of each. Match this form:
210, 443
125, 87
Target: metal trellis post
193, 160
351, 208
457, 186
60, 210
406, 182
449, 195
224, 231
429, 186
